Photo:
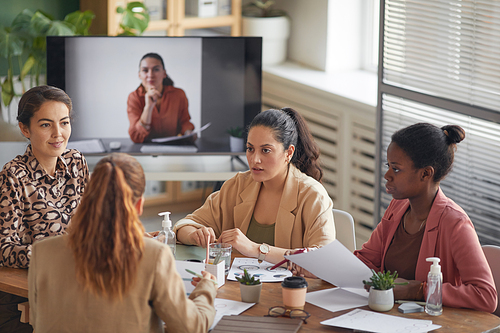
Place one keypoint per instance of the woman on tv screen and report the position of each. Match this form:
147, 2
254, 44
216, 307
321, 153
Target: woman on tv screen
157, 109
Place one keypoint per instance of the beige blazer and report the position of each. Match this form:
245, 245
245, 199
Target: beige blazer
58, 302
305, 216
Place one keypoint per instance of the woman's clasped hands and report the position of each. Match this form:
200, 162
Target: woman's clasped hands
152, 96
235, 237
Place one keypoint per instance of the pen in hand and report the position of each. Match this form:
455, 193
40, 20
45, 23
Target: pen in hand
200, 276
285, 260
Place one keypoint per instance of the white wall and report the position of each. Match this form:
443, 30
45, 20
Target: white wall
325, 34
308, 33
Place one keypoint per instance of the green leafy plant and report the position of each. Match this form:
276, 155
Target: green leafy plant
383, 281
237, 131
247, 279
262, 8
135, 19
25, 41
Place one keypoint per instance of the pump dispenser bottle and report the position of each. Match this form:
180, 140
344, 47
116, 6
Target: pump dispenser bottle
166, 235
434, 303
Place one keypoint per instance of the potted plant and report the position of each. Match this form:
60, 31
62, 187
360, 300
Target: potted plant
261, 19
236, 141
24, 41
250, 288
381, 297
135, 18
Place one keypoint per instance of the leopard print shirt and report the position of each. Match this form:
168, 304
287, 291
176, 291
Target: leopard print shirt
35, 205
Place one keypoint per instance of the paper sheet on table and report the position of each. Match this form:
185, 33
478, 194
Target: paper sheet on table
87, 146
337, 299
226, 307
334, 263
180, 137
380, 323
262, 271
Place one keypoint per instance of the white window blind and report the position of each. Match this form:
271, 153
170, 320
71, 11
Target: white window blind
449, 49
440, 63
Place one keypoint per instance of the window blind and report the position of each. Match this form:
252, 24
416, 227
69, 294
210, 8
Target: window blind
440, 63
449, 49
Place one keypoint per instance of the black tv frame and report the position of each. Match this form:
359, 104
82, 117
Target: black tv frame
217, 57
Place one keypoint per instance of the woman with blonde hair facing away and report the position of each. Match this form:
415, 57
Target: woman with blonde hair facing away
278, 205
421, 222
105, 276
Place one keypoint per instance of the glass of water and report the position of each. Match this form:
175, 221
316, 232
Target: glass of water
225, 249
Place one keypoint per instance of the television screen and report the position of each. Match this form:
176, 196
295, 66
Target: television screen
220, 76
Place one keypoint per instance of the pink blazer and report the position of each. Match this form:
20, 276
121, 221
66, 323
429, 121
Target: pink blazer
449, 235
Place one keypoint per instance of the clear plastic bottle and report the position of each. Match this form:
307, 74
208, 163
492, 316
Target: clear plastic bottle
166, 235
434, 303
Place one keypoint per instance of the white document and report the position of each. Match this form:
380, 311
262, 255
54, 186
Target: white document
174, 138
334, 263
380, 323
336, 299
226, 307
261, 271
87, 146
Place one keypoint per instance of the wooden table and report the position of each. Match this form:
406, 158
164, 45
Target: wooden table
452, 320
15, 281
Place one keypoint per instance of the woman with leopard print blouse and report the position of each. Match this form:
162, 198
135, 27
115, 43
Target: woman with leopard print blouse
41, 189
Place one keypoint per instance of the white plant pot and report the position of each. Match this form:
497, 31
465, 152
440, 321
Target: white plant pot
236, 144
381, 300
274, 32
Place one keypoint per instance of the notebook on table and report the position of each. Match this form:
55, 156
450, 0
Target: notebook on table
244, 324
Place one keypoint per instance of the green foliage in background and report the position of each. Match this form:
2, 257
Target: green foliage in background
237, 131
25, 41
135, 19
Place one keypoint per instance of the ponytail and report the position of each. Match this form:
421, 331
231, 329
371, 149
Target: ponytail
105, 234
290, 128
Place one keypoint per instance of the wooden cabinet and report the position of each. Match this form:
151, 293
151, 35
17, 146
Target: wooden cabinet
176, 22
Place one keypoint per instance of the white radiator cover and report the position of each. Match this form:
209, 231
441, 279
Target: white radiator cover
345, 132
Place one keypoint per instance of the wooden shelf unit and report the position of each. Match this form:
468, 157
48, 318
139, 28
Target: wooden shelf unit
107, 19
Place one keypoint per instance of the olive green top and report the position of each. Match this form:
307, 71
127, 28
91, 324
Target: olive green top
261, 233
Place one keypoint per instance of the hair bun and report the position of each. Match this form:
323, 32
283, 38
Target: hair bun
454, 133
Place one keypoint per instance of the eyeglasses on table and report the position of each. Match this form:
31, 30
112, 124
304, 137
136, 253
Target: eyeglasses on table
281, 311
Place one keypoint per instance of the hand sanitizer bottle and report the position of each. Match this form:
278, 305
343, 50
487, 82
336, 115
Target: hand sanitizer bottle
434, 303
167, 236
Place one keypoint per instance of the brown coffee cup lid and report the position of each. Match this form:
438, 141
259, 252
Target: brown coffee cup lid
294, 282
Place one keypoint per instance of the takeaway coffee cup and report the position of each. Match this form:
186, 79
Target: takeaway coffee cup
294, 290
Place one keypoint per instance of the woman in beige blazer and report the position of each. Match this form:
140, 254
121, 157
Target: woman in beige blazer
105, 276
279, 204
